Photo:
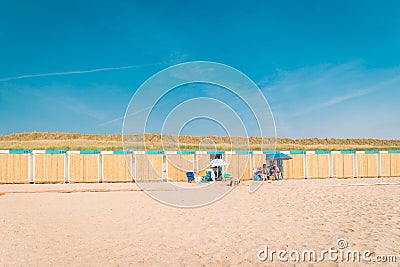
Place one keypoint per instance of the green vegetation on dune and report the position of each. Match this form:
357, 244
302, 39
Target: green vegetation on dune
73, 141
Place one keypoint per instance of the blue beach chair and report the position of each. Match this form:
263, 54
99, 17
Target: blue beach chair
190, 176
227, 176
207, 178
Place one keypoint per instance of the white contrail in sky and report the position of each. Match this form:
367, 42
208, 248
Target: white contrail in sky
127, 115
72, 72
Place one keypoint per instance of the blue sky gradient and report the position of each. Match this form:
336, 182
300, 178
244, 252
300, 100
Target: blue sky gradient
327, 68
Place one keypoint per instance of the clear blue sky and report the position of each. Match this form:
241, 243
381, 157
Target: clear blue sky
327, 68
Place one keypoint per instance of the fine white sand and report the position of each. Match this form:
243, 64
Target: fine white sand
123, 226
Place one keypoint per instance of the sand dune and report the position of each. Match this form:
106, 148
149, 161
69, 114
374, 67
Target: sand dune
74, 141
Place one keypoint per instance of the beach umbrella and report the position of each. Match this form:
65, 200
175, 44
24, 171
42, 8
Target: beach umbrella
278, 156
217, 163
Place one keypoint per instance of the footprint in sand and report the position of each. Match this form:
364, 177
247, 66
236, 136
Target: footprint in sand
212, 241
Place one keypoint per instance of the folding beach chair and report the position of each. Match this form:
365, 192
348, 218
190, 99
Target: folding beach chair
219, 176
227, 176
190, 176
207, 178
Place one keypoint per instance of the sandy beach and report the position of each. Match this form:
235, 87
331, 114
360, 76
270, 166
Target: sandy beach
118, 225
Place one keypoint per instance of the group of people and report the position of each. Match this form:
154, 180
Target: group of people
264, 173
198, 178
212, 175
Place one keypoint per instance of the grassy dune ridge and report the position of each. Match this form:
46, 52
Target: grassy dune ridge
75, 141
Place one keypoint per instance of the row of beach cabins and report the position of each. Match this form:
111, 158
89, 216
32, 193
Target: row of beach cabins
59, 166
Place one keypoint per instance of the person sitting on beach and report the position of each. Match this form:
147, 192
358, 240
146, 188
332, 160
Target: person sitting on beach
197, 177
270, 169
271, 172
275, 173
264, 173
